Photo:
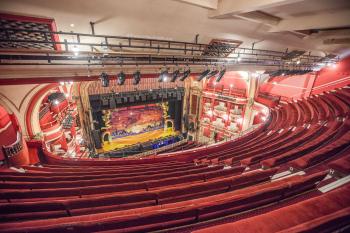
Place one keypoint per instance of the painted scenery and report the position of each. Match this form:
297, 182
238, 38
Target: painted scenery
136, 120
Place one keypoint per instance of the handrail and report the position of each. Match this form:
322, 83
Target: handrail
156, 151
149, 50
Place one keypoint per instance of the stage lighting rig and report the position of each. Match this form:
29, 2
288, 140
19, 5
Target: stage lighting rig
121, 78
176, 74
212, 73
104, 79
137, 77
203, 74
185, 74
220, 75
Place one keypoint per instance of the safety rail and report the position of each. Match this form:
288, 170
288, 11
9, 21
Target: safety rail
143, 51
161, 149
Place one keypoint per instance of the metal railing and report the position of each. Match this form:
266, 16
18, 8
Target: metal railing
111, 50
161, 149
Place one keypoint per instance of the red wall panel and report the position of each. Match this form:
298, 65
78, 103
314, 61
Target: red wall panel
290, 87
333, 77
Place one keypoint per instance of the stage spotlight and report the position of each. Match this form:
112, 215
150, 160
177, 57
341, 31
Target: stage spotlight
137, 77
104, 79
175, 75
220, 75
185, 75
163, 77
212, 73
121, 78
203, 74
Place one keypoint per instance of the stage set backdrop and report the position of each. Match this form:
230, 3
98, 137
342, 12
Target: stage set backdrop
130, 125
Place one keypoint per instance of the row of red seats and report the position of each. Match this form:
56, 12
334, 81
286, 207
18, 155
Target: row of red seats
326, 213
97, 189
159, 217
50, 208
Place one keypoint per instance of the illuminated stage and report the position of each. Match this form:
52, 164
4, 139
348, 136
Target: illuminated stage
132, 128
135, 139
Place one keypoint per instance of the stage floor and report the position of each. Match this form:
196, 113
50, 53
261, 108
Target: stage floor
135, 139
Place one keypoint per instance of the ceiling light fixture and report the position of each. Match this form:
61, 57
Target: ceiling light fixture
212, 73
220, 75
104, 79
203, 74
185, 74
176, 74
163, 77
121, 78
137, 77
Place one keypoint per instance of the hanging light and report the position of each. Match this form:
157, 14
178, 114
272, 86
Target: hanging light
163, 77
121, 78
203, 74
137, 77
104, 79
220, 75
185, 74
212, 73
176, 74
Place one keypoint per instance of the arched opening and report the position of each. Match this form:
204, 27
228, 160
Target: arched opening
106, 137
14, 149
169, 124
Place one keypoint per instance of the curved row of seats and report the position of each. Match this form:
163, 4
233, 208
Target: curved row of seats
326, 213
160, 216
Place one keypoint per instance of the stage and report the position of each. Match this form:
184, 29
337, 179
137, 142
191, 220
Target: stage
135, 139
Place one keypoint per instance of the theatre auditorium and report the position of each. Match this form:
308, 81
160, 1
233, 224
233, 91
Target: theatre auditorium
174, 116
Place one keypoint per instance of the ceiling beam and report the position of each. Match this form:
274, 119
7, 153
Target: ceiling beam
260, 17
314, 21
208, 4
230, 7
337, 41
330, 34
